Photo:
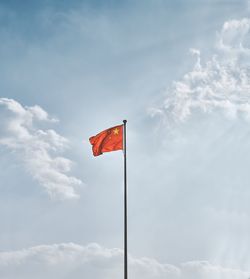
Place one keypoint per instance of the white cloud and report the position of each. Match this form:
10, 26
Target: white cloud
37, 148
69, 260
234, 34
222, 84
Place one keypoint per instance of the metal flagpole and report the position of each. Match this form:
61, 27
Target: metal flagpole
125, 203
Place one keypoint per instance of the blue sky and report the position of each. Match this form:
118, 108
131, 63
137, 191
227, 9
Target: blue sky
178, 71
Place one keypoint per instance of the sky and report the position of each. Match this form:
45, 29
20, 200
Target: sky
179, 72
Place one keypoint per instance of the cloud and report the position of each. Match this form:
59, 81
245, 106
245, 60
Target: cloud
234, 34
221, 85
69, 260
37, 148
204, 152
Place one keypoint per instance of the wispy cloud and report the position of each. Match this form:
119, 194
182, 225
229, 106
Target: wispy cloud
37, 148
69, 260
222, 84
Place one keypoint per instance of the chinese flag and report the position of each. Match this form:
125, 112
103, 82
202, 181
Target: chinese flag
107, 140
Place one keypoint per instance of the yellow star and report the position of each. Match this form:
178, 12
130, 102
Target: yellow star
116, 131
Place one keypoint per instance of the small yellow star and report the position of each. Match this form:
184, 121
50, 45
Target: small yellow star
116, 131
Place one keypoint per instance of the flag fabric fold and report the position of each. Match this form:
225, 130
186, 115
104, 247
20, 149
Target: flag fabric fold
107, 140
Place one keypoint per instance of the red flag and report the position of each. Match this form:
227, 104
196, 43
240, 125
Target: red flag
107, 140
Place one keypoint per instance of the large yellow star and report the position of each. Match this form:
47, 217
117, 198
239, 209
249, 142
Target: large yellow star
116, 131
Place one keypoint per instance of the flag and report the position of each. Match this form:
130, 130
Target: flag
107, 140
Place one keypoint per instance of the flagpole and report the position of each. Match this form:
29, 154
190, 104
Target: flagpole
125, 202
